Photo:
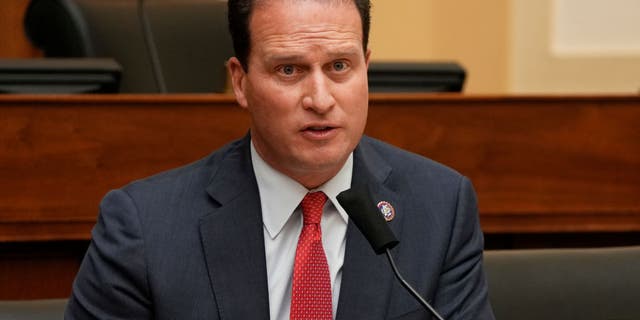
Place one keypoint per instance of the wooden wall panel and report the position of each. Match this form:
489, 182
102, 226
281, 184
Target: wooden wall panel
61, 155
549, 171
539, 164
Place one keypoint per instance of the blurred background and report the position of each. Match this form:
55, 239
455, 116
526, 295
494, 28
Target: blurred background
506, 46
518, 46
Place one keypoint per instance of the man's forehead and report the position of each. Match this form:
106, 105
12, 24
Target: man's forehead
258, 3
295, 30
290, 20
289, 7
265, 4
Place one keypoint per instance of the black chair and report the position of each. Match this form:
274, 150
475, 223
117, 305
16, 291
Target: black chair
416, 77
584, 284
162, 45
59, 75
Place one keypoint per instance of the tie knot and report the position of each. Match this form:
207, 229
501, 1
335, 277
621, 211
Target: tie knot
312, 206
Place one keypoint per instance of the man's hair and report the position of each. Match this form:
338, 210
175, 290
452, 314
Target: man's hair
239, 14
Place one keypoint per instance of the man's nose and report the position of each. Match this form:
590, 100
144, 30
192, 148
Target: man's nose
319, 93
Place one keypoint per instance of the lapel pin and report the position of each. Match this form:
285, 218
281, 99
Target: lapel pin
387, 210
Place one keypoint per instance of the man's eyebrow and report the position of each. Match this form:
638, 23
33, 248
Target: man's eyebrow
288, 57
345, 52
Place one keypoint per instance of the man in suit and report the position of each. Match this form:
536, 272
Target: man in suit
218, 239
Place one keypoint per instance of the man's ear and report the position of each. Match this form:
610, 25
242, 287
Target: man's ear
238, 77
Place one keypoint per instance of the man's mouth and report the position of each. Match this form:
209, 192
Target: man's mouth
319, 128
318, 132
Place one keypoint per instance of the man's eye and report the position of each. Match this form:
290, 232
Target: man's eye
339, 66
288, 69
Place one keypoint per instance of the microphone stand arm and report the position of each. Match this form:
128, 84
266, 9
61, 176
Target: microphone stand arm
407, 286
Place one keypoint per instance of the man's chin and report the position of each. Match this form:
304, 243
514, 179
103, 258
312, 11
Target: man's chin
324, 163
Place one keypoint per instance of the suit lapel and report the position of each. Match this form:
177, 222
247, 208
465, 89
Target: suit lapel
232, 239
367, 279
233, 243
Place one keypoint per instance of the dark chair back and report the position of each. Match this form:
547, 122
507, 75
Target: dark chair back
46, 309
162, 45
565, 284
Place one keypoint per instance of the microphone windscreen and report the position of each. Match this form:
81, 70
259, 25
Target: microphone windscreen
362, 210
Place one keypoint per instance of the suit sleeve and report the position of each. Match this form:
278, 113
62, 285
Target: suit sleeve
462, 290
111, 282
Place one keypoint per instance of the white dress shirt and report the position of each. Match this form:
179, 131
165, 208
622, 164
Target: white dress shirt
280, 197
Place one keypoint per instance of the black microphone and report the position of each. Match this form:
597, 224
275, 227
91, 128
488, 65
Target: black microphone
364, 213
359, 205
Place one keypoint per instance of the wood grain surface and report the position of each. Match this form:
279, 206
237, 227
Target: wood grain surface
539, 164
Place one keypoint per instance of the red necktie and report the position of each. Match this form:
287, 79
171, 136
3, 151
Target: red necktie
311, 292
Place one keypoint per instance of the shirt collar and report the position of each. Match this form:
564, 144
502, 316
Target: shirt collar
280, 195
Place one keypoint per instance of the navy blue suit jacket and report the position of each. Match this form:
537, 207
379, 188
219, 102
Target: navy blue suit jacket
188, 244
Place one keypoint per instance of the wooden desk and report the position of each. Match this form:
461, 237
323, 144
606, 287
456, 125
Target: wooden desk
61, 154
563, 165
539, 164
